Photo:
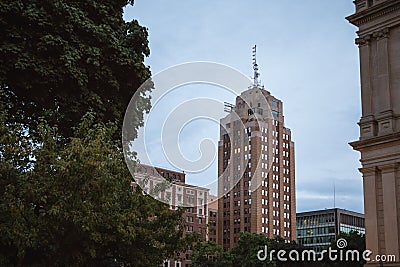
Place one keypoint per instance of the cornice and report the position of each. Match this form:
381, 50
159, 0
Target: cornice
373, 12
367, 170
379, 140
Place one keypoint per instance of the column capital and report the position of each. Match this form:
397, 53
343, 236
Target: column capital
381, 34
388, 167
363, 40
367, 170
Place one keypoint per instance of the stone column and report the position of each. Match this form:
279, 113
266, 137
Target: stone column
367, 121
371, 221
390, 215
382, 77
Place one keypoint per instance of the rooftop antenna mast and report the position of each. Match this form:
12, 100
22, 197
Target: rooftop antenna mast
255, 67
228, 107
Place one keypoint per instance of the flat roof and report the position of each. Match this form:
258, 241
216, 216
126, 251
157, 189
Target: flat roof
331, 210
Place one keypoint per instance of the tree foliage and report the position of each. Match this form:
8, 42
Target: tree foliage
208, 254
65, 190
355, 242
73, 205
245, 253
58, 59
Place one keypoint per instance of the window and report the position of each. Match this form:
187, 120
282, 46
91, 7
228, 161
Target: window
189, 210
190, 200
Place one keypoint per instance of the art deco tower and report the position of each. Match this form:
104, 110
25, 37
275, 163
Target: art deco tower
256, 169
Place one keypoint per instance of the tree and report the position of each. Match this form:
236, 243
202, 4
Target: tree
355, 241
278, 244
73, 205
66, 195
208, 254
60, 59
245, 253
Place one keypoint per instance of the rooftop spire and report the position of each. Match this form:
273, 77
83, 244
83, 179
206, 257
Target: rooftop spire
255, 67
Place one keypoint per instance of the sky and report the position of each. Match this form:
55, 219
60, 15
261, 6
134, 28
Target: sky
307, 58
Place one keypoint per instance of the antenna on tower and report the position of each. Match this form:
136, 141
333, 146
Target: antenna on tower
255, 66
228, 107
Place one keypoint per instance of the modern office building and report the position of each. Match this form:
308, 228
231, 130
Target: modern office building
256, 170
378, 40
316, 229
179, 194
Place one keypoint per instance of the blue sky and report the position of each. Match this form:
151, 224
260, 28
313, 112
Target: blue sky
307, 58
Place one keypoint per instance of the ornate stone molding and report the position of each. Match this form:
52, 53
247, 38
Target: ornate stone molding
368, 170
363, 40
381, 34
388, 167
376, 35
368, 143
374, 12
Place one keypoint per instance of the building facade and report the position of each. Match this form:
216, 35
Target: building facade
317, 229
378, 23
212, 218
256, 170
178, 194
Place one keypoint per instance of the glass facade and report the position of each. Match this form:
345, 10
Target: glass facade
317, 229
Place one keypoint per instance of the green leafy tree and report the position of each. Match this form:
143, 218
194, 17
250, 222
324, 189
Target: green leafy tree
208, 254
60, 59
66, 195
73, 205
355, 242
278, 244
245, 252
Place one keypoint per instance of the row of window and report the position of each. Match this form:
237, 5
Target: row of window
191, 219
285, 137
321, 219
316, 240
286, 188
316, 231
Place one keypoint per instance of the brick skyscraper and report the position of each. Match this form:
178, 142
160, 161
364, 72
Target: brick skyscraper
256, 170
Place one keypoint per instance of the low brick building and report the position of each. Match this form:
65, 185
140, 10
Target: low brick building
170, 187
